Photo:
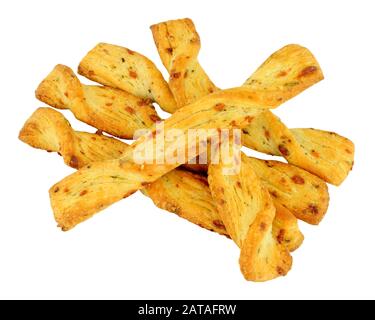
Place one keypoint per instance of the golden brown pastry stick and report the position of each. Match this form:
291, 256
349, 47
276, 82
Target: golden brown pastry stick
248, 213
111, 110
92, 189
302, 193
47, 129
178, 45
291, 69
188, 195
128, 70
266, 80
179, 191
325, 154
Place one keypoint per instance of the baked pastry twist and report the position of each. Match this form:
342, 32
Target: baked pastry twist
47, 129
114, 111
247, 210
128, 70
325, 154
178, 44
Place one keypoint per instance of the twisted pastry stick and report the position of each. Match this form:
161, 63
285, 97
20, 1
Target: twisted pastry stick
290, 70
179, 191
248, 212
178, 44
48, 130
188, 195
111, 110
128, 70
92, 189
302, 193
325, 154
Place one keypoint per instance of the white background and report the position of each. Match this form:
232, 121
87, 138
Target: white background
134, 250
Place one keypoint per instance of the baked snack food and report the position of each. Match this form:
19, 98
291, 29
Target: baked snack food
127, 70
110, 110
257, 206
